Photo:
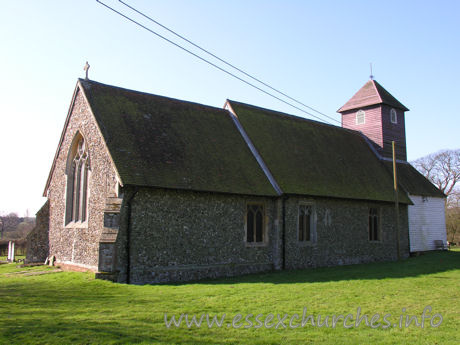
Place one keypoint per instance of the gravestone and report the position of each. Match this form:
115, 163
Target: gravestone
11, 252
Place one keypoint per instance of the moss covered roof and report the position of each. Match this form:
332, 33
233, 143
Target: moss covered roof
312, 158
163, 142
413, 181
371, 93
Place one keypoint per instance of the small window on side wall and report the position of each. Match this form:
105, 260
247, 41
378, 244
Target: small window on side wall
360, 117
393, 116
374, 224
306, 224
255, 223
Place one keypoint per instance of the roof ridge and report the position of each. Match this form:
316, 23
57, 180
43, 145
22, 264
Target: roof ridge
376, 90
316, 160
277, 112
81, 80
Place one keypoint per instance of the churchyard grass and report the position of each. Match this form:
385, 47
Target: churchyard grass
17, 257
71, 307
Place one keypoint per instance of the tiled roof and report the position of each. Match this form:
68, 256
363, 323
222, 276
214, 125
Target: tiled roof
414, 182
311, 158
371, 93
162, 142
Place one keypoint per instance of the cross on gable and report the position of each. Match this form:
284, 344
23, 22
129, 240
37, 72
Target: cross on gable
86, 68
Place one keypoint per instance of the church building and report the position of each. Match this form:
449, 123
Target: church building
150, 189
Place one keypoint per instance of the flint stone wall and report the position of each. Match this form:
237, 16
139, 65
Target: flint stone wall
37, 247
181, 236
78, 244
342, 233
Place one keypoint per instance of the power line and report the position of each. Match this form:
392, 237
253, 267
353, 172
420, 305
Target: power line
209, 62
226, 62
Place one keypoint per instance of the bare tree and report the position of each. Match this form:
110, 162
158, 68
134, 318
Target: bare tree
442, 169
453, 224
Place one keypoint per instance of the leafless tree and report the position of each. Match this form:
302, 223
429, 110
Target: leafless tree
453, 224
442, 169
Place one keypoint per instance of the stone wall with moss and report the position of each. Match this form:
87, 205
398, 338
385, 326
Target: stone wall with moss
180, 236
183, 236
78, 244
342, 233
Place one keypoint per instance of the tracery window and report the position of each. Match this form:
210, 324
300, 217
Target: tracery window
77, 182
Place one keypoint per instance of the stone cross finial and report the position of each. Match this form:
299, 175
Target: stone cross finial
86, 68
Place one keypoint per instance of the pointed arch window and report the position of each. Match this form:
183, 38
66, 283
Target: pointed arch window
393, 116
360, 117
255, 224
77, 181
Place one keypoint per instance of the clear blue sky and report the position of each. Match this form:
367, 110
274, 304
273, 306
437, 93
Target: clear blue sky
316, 51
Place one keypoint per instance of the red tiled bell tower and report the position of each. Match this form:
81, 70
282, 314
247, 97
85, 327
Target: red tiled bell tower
378, 115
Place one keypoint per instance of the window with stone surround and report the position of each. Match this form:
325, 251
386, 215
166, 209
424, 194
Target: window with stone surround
306, 223
255, 224
374, 224
77, 182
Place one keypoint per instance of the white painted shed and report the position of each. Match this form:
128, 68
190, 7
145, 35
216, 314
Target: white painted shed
427, 222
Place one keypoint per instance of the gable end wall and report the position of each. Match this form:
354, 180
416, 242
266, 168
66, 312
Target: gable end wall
78, 245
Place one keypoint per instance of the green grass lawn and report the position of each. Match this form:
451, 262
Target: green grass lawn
70, 307
17, 257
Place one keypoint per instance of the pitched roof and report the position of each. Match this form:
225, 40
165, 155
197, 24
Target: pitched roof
311, 158
371, 93
162, 142
413, 181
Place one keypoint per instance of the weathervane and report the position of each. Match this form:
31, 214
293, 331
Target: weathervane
371, 76
86, 68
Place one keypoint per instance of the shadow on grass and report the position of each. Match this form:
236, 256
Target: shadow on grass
428, 263
73, 308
